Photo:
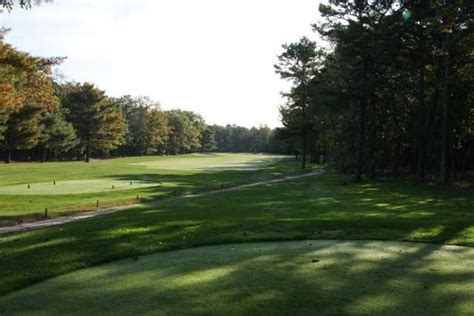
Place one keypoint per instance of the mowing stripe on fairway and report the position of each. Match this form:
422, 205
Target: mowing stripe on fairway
214, 162
297, 277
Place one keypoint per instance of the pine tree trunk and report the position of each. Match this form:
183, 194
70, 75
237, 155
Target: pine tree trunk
420, 165
372, 137
373, 166
314, 153
303, 160
361, 140
88, 149
444, 169
45, 154
362, 123
421, 128
8, 156
318, 155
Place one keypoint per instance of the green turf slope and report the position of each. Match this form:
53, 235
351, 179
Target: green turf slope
316, 207
75, 187
26, 189
302, 277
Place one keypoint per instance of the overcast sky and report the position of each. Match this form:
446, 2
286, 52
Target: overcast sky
214, 57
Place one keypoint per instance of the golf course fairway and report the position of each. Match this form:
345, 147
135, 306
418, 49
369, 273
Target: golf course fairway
27, 189
297, 277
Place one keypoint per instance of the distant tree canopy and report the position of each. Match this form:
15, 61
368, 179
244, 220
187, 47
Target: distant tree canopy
41, 120
393, 93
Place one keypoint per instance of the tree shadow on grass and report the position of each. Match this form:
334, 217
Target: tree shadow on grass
326, 277
283, 211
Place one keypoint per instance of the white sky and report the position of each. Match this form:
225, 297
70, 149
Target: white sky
214, 57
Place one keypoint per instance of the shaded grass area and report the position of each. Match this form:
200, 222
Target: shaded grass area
191, 173
318, 207
299, 277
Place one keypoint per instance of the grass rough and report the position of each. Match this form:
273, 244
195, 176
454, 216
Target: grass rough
318, 207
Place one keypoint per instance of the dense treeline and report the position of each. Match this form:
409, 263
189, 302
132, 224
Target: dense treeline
393, 93
44, 120
153, 131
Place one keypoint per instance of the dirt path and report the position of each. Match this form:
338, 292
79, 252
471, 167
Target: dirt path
75, 217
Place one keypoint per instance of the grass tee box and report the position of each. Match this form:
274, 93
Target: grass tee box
300, 277
26, 189
74, 187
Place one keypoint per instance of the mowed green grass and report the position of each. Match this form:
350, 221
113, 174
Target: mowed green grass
299, 277
26, 189
316, 207
74, 187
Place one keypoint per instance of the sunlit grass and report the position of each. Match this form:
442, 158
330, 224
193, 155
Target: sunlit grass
75, 187
27, 189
